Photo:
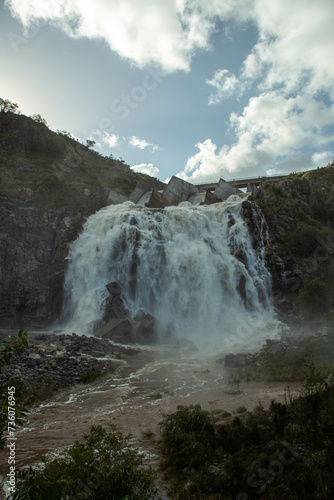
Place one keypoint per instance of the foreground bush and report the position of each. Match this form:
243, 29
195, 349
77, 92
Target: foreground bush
286, 452
15, 345
104, 467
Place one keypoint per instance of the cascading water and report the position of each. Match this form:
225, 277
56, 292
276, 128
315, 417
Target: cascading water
193, 268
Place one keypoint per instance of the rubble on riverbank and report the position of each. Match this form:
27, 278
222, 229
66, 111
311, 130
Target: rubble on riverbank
59, 360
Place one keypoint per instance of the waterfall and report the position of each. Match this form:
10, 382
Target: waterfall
192, 267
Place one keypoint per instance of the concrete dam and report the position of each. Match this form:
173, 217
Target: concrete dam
179, 190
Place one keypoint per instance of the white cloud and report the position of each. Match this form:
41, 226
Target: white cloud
323, 159
110, 139
225, 84
292, 107
142, 143
271, 126
289, 67
104, 137
146, 168
166, 33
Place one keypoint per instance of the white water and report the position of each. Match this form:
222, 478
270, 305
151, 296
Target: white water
177, 264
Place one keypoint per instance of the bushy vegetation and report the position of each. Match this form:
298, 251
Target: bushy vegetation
292, 365
289, 367
16, 345
284, 452
90, 376
103, 467
317, 293
303, 240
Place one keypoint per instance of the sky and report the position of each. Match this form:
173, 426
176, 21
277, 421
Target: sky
201, 89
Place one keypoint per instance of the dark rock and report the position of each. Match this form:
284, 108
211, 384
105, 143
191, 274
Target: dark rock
237, 360
114, 288
241, 256
37, 366
34, 359
42, 211
114, 305
241, 288
117, 329
139, 315
144, 331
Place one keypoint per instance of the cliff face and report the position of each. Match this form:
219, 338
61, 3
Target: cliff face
300, 256
49, 184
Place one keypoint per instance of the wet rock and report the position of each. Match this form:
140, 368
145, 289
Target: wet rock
241, 288
34, 359
114, 305
144, 331
117, 329
38, 366
241, 256
139, 315
237, 360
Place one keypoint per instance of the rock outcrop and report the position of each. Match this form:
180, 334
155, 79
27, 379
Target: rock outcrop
299, 211
119, 326
52, 361
33, 249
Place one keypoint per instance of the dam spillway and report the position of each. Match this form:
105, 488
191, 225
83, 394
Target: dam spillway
193, 268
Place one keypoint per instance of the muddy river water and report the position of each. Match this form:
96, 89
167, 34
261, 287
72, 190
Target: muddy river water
144, 387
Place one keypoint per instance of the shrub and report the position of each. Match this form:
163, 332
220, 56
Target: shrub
313, 295
187, 436
283, 452
303, 240
104, 467
90, 376
13, 346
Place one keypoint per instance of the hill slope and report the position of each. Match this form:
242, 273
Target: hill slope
49, 184
54, 170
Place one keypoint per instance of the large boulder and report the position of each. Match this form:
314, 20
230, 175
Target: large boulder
117, 329
114, 305
144, 331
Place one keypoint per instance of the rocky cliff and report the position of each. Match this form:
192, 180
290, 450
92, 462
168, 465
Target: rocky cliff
299, 211
49, 184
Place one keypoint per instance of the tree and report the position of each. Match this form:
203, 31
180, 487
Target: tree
7, 106
90, 143
64, 133
38, 119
